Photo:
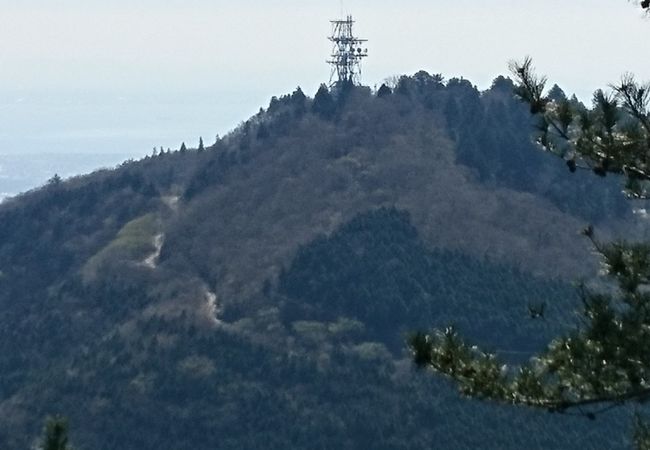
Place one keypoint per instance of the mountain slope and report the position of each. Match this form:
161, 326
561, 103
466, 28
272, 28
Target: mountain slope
256, 293
287, 378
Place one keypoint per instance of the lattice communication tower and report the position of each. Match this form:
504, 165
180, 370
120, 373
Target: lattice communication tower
347, 52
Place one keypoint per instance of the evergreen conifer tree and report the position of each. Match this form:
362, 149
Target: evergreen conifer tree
298, 101
384, 91
55, 180
55, 435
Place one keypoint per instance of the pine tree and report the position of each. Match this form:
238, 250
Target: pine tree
298, 102
201, 146
55, 180
384, 91
55, 435
183, 148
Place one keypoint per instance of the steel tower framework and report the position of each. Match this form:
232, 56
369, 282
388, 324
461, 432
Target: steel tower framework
346, 53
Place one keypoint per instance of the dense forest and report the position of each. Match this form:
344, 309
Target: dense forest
256, 292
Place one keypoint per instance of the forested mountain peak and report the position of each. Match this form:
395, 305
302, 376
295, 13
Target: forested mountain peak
243, 284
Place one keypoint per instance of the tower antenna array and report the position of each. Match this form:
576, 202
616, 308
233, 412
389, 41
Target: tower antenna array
347, 52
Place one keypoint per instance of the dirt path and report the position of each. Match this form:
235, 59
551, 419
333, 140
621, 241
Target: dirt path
151, 260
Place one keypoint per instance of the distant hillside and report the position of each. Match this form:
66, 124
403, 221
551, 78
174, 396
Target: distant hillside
255, 293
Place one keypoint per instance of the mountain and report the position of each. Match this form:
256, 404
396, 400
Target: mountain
256, 293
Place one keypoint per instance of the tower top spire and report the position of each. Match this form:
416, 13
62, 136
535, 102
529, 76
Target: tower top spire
347, 52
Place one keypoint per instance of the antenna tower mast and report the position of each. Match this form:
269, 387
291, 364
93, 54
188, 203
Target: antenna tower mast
346, 53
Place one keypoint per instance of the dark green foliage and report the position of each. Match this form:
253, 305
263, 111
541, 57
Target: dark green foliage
56, 179
376, 270
222, 391
556, 94
384, 91
293, 106
215, 170
421, 86
48, 215
262, 132
299, 102
55, 435
324, 104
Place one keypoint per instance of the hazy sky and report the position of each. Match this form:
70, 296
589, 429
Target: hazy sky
118, 75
